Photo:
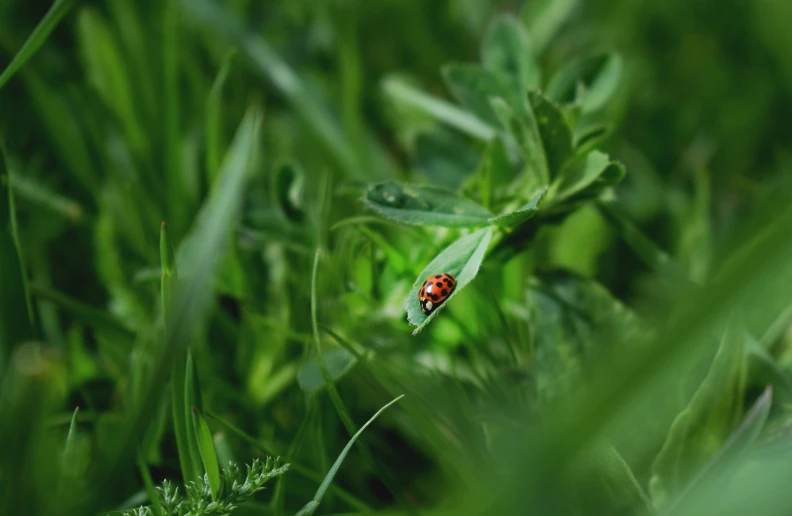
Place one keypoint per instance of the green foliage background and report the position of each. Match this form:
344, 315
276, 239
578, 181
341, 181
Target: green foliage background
609, 182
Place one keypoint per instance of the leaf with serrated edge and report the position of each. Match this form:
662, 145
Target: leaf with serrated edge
461, 259
425, 206
523, 213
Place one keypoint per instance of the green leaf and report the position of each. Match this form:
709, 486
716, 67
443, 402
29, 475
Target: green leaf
602, 479
311, 506
494, 171
523, 130
444, 157
461, 259
523, 213
474, 86
737, 444
710, 416
339, 362
54, 15
589, 82
544, 18
586, 177
208, 455
507, 52
424, 205
438, 109
568, 314
554, 132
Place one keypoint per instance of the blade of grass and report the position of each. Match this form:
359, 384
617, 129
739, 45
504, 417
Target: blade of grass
270, 65
148, 483
35, 192
439, 109
335, 397
214, 105
54, 15
71, 437
343, 494
208, 454
92, 317
202, 252
177, 193
15, 325
311, 506
192, 400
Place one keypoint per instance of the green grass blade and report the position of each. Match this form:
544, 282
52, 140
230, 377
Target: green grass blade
69, 448
200, 260
35, 192
214, 111
270, 65
148, 483
175, 179
438, 109
192, 401
329, 380
92, 317
16, 319
344, 495
311, 506
37, 38
190, 470
208, 455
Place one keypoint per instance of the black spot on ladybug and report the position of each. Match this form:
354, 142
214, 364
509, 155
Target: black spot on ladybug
449, 282
444, 293
439, 276
434, 297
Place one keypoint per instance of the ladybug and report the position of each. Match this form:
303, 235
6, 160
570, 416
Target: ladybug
434, 291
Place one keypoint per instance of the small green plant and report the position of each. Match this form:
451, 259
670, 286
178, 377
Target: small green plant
197, 498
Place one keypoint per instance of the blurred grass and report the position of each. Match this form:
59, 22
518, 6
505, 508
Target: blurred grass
579, 350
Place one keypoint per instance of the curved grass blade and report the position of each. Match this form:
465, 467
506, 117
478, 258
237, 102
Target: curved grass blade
203, 436
438, 109
200, 260
425, 206
37, 38
311, 506
462, 259
16, 316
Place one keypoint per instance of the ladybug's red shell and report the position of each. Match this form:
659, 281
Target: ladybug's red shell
434, 291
